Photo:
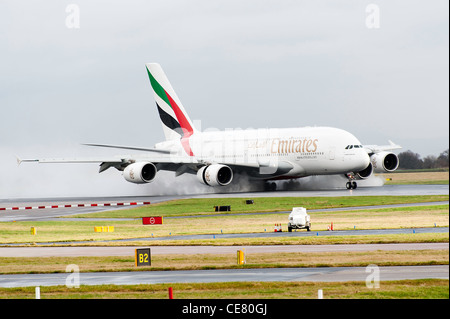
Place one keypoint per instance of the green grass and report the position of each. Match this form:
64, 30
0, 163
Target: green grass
66, 231
403, 289
199, 206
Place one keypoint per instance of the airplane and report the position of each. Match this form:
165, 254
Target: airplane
215, 157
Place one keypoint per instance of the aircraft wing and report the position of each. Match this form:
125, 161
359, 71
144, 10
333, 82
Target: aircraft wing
173, 162
105, 162
166, 162
118, 162
164, 159
156, 150
69, 160
373, 149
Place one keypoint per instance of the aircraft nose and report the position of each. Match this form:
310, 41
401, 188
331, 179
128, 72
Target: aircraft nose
365, 158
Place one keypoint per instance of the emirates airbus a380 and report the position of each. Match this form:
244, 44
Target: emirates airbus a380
261, 154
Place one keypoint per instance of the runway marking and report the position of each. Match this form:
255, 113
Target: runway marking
74, 206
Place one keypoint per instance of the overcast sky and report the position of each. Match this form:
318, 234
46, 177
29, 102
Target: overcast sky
233, 64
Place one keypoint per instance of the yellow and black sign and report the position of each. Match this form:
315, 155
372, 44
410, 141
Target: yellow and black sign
143, 257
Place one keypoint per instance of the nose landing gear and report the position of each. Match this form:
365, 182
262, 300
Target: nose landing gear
351, 184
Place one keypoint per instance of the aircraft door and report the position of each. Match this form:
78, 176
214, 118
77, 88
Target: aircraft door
332, 153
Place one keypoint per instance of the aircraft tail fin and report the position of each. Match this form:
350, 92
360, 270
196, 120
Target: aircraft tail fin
175, 120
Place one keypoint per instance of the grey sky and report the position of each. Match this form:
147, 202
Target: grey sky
233, 64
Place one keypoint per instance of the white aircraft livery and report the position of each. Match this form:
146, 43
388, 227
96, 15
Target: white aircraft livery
261, 154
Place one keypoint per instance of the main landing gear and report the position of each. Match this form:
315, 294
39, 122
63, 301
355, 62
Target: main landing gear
270, 186
351, 184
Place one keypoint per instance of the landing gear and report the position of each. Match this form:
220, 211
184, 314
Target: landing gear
351, 184
270, 187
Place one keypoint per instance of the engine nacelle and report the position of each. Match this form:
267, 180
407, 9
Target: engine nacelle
365, 173
215, 175
140, 172
384, 162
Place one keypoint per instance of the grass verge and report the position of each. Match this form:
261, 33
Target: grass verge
82, 230
428, 177
403, 289
21, 265
202, 206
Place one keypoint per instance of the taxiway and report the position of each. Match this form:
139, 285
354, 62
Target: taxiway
320, 274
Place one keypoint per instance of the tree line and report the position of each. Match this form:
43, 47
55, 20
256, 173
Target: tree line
411, 160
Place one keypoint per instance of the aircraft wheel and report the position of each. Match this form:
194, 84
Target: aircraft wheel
270, 187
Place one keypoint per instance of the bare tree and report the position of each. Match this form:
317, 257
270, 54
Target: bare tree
410, 160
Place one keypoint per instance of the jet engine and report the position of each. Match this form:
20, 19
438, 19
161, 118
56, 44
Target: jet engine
140, 172
365, 173
384, 162
215, 175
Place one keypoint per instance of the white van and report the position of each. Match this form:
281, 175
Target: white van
299, 219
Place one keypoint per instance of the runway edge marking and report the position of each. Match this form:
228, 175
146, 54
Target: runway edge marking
74, 206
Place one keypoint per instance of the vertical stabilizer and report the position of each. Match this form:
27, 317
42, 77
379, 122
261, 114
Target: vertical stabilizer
175, 121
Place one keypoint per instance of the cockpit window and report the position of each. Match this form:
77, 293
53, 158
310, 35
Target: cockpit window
349, 147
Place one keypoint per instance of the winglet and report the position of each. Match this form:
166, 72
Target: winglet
20, 161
